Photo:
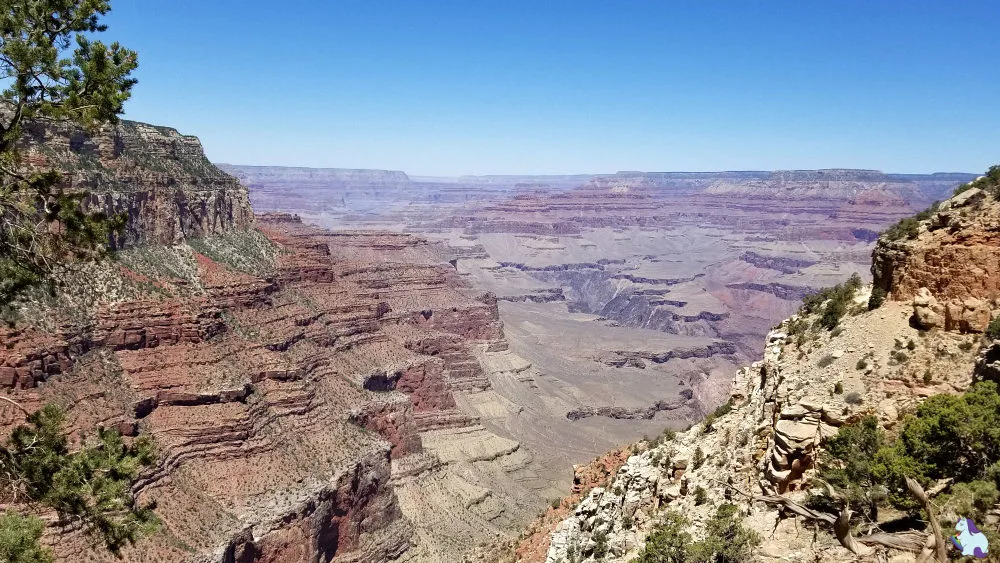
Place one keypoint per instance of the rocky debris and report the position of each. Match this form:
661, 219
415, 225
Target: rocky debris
966, 315
988, 364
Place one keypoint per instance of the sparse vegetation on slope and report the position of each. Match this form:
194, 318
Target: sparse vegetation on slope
832, 303
989, 182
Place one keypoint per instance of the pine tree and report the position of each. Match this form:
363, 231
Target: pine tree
53, 69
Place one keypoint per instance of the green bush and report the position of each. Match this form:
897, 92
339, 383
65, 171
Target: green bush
699, 458
847, 462
949, 436
700, 495
971, 500
832, 303
727, 540
719, 411
600, 538
990, 183
19, 537
669, 542
993, 331
877, 298
862, 364
826, 361
668, 435
853, 398
907, 228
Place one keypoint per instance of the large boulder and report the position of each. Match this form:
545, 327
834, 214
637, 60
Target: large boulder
927, 312
968, 315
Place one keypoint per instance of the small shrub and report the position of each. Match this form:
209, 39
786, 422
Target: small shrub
669, 541
699, 458
600, 544
700, 495
965, 345
556, 503
726, 539
19, 539
900, 356
838, 387
723, 409
853, 398
907, 228
911, 345
877, 298
826, 361
628, 522
928, 377
993, 331
668, 435
836, 331
862, 364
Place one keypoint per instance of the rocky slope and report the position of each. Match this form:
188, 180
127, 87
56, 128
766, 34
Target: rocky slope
764, 450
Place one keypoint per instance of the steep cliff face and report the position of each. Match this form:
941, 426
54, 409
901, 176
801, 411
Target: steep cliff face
950, 265
160, 179
762, 453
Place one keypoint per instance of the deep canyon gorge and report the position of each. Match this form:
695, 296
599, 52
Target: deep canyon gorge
360, 366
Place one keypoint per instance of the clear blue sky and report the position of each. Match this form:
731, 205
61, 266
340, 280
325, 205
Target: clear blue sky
579, 86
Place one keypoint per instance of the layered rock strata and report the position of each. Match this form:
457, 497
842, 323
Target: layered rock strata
157, 178
290, 411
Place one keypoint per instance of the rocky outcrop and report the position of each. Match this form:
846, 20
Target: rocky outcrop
623, 413
782, 408
159, 179
954, 255
782, 264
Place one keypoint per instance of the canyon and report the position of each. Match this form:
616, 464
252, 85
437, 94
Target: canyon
763, 455
376, 367
634, 297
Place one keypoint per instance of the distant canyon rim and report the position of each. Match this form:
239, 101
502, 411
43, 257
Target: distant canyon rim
629, 300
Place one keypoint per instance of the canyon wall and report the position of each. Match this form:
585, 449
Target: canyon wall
159, 179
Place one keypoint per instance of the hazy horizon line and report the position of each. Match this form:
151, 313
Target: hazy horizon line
618, 172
